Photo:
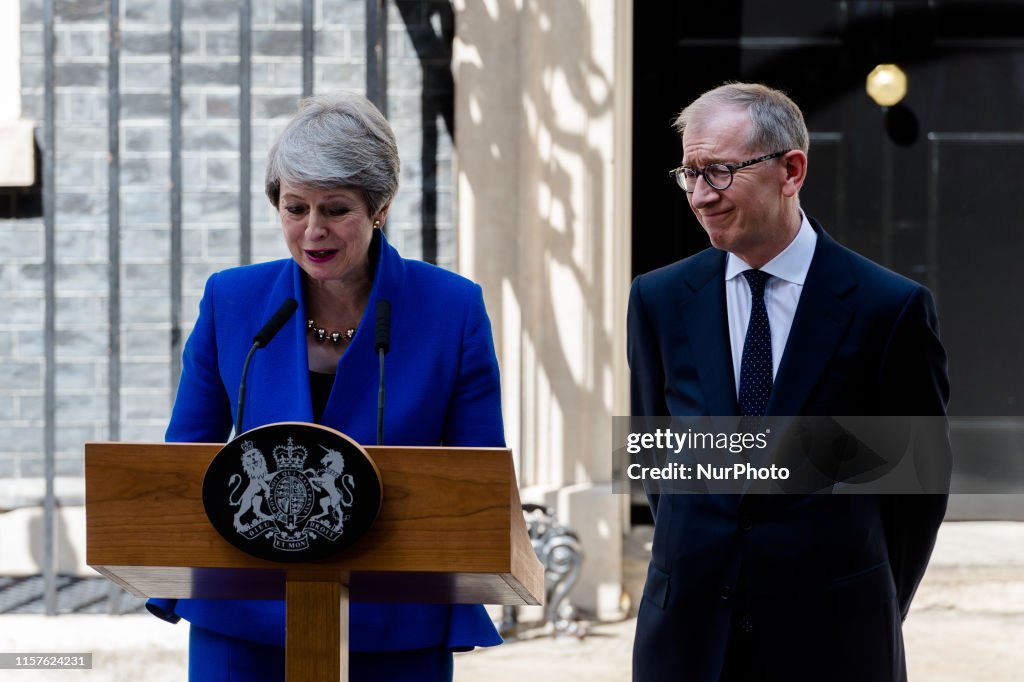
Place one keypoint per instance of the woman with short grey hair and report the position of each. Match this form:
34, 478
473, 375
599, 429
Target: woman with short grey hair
332, 176
336, 142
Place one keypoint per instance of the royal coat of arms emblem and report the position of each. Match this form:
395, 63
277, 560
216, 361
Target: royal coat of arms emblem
316, 493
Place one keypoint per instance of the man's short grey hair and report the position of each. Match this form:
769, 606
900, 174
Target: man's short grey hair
778, 123
336, 141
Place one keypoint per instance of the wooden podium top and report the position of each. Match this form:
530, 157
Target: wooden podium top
450, 530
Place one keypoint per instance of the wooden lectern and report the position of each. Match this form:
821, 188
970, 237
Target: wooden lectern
451, 530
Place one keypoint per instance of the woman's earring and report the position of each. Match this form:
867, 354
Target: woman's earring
376, 224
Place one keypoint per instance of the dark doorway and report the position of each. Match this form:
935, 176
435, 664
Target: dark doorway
938, 205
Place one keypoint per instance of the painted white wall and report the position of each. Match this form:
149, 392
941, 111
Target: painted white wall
542, 104
17, 149
10, 70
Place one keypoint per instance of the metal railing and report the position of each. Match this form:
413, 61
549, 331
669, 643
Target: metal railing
561, 553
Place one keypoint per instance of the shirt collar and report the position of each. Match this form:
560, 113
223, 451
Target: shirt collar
791, 265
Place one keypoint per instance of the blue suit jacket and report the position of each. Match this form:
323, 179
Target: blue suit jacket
825, 579
442, 388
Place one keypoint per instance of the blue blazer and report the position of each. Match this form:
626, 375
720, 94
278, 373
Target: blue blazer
825, 579
442, 389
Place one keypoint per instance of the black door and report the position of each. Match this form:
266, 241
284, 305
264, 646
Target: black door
931, 188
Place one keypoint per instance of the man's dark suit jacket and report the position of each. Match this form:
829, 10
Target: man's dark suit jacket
827, 579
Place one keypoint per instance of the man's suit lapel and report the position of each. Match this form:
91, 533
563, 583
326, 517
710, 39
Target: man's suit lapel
708, 330
821, 319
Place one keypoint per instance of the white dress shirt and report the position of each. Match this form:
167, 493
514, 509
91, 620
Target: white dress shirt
781, 294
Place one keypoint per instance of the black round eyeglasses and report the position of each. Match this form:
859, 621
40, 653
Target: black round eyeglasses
717, 175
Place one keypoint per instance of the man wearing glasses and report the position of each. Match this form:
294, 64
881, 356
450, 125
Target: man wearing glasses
777, 319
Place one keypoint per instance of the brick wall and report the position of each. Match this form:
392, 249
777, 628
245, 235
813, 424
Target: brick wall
210, 161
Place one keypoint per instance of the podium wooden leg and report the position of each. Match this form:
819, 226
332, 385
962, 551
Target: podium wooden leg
316, 635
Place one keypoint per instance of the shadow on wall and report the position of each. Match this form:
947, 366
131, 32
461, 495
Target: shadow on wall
24, 547
535, 173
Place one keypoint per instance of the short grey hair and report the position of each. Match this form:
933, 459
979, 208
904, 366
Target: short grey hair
336, 141
778, 123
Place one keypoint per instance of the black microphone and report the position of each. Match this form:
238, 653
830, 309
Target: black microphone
262, 338
274, 324
382, 340
382, 343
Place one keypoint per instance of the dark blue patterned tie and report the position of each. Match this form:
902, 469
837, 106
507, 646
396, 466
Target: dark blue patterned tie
756, 364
